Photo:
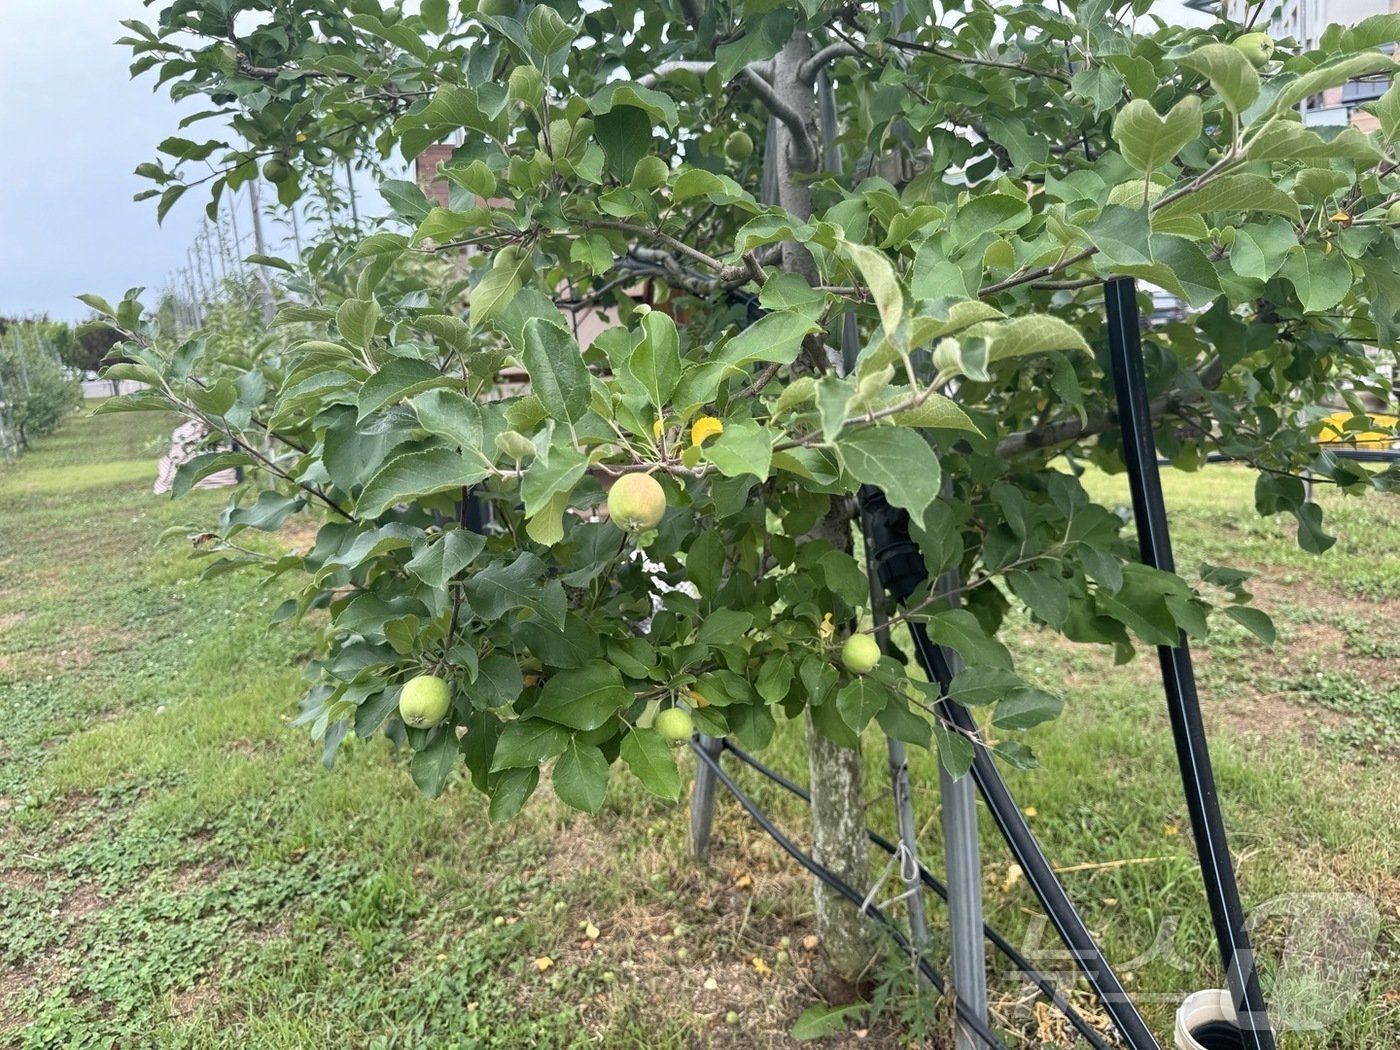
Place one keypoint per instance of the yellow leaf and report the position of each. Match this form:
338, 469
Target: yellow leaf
543, 963
1030, 811
809, 942
760, 965
591, 932
656, 430
743, 881
1169, 830
827, 628
705, 427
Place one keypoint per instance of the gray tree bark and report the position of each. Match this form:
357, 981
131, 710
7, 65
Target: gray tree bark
836, 773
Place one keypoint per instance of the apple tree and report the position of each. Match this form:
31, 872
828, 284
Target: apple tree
870, 240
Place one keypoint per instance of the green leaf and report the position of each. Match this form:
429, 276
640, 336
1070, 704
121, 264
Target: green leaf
935, 412
580, 777
528, 743
860, 700
989, 212
414, 475
546, 488
1254, 621
357, 320
434, 764
1026, 708
1230, 73
651, 762
1386, 109
743, 448
510, 792
658, 107
1321, 279
1258, 252
501, 587
958, 629
450, 415
1333, 74
1100, 85
764, 38
655, 365
819, 1021
774, 337
434, 13
894, 459
979, 686
625, 135
497, 289
1250, 193
558, 376
546, 31
879, 277
1122, 235
442, 558
1028, 334
199, 467
1148, 141
400, 378
583, 699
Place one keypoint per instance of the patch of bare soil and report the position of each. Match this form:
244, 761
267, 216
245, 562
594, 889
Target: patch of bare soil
8, 620
13, 981
81, 902
22, 879
191, 1000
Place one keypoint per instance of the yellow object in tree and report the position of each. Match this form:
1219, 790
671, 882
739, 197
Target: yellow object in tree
705, 427
1334, 431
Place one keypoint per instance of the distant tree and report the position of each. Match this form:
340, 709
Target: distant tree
92, 342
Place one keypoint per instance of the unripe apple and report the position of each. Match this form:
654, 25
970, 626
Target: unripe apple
738, 147
674, 725
636, 502
1257, 47
860, 654
424, 701
276, 170
1392, 214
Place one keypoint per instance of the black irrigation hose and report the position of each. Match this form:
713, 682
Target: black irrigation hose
831, 881
1039, 875
1091, 1034
1178, 673
902, 570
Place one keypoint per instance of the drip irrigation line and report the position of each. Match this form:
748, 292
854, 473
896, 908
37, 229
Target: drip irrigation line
1034, 865
902, 570
829, 879
1023, 965
1178, 673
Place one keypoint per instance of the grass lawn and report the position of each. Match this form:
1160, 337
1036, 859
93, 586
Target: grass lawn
178, 870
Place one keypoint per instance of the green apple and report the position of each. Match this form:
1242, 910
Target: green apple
1392, 214
674, 725
424, 701
860, 654
738, 147
636, 502
276, 170
1257, 47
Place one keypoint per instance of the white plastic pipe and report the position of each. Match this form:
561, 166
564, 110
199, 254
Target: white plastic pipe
1200, 1008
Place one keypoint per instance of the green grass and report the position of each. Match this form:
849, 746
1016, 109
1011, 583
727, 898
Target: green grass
177, 870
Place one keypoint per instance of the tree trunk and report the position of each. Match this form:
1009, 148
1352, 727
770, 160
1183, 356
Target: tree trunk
836, 773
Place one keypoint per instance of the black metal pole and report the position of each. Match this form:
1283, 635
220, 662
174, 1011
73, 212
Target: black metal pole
1178, 674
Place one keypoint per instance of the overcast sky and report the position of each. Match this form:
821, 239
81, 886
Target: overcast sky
74, 126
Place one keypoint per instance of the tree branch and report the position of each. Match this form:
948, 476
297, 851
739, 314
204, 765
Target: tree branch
1062, 431
808, 71
792, 120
